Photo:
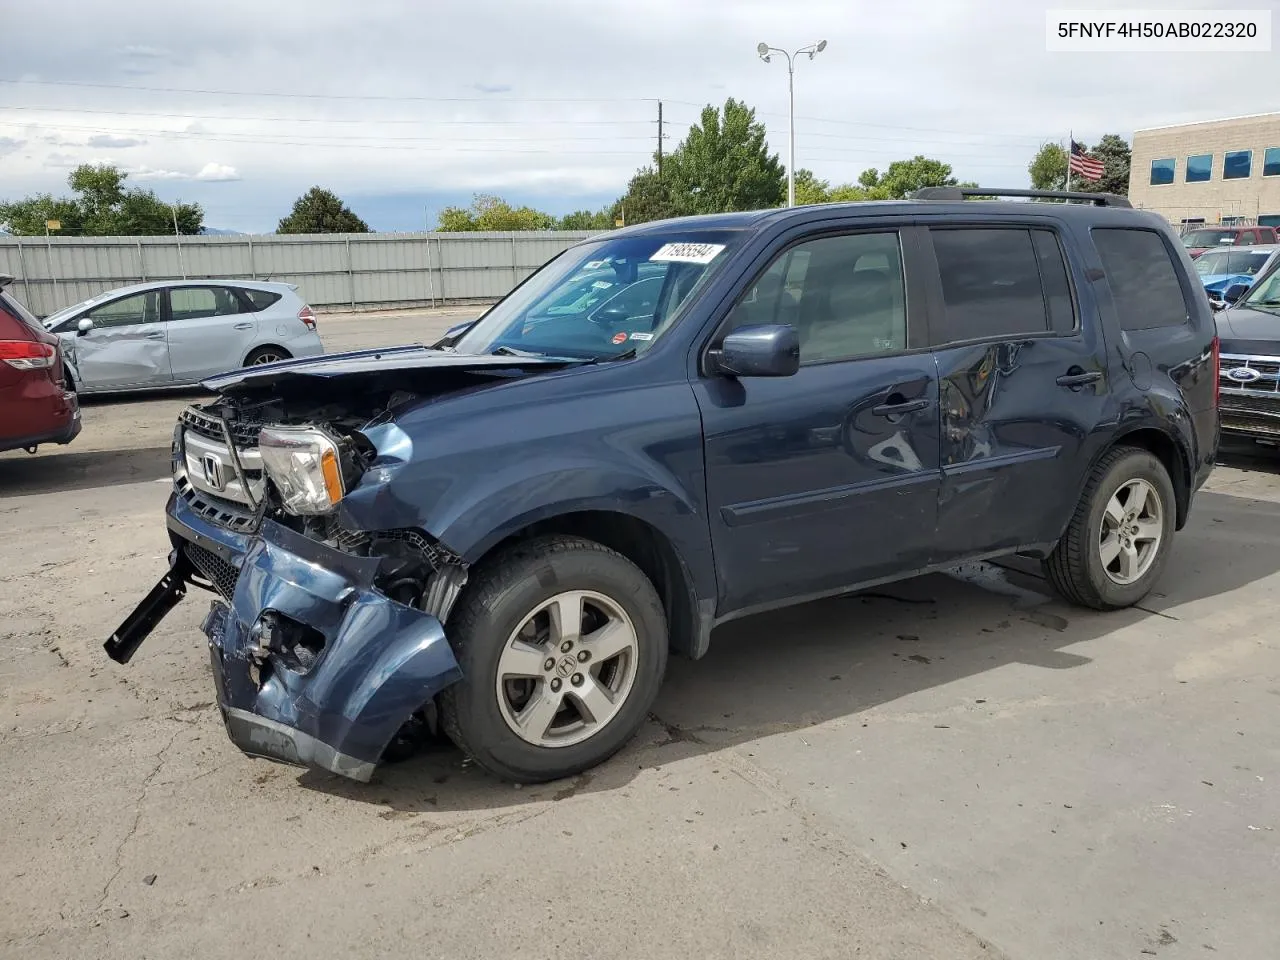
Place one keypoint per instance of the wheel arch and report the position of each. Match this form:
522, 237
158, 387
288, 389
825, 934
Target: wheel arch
1171, 451
285, 352
648, 548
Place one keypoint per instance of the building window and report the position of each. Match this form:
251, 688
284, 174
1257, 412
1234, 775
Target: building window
1237, 165
1271, 162
1269, 220
1162, 171
1199, 168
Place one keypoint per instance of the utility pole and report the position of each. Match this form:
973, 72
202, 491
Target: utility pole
763, 51
659, 139
177, 238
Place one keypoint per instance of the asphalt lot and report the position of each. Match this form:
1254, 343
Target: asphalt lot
950, 768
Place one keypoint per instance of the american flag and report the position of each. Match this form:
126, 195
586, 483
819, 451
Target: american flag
1088, 167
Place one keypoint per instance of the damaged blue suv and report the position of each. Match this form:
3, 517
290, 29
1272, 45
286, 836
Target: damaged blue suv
670, 426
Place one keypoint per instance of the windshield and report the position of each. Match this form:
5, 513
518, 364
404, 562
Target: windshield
1208, 238
1266, 292
1220, 262
603, 298
58, 315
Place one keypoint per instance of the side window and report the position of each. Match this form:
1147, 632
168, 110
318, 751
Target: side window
1142, 278
261, 299
129, 311
991, 283
844, 295
195, 303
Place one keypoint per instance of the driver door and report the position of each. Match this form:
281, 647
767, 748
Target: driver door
127, 345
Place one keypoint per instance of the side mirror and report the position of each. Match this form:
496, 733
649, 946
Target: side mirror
84, 325
453, 335
1234, 292
760, 350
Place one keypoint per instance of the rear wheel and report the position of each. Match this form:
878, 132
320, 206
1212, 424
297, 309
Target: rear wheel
563, 645
1119, 538
266, 355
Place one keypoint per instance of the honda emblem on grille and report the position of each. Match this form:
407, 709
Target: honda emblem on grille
212, 468
1243, 375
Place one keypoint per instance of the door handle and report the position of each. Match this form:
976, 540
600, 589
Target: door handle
1077, 377
156, 335
900, 406
244, 326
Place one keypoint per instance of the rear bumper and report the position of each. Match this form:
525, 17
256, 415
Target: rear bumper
311, 665
64, 428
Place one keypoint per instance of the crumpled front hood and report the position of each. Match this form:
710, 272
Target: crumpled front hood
384, 362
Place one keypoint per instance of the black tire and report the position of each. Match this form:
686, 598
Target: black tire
1075, 568
261, 354
499, 598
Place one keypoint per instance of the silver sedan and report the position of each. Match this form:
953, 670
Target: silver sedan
176, 333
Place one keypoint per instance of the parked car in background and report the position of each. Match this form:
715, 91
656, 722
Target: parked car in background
504, 536
176, 333
1234, 267
1210, 238
1249, 334
36, 404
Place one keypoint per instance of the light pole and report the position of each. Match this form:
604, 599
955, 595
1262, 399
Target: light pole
813, 49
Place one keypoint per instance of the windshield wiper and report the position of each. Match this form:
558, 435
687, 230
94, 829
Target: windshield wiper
512, 352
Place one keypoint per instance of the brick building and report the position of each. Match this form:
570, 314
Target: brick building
1216, 171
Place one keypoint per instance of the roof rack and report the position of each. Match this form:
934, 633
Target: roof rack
956, 194
5, 280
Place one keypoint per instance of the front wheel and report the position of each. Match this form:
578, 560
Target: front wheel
1118, 540
563, 645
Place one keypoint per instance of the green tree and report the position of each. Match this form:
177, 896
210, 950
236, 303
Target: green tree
488, 212
101, 207
810, 189
905, 176
1048, 168
320, 211
1115, 155
648, 198
586, 220
724, 164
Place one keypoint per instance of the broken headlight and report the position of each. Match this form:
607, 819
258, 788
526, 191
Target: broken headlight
305, 465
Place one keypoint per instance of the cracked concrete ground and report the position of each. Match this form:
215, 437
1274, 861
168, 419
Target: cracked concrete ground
954, 767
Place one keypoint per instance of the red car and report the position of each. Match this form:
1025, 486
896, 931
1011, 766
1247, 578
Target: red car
35, 405
1200, 239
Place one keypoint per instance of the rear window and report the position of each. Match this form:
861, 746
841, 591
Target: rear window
1208, 238
1143, 280
261, 299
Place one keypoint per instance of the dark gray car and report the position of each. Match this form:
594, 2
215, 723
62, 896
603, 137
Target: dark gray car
1249, 334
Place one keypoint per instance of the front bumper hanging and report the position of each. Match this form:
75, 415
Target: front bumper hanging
312, 665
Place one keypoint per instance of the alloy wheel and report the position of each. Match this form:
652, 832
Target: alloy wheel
1132, 531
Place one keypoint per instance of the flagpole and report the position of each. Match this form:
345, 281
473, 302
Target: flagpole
1070, 140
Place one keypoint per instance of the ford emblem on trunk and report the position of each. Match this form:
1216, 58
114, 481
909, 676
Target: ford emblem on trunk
1244, 375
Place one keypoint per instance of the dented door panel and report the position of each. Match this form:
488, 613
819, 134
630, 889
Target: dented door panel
127, 346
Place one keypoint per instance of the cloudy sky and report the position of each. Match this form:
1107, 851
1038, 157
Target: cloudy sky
402, 107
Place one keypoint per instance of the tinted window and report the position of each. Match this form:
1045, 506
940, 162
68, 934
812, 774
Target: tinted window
20, 313
140, 308
844, 295
991, 283
195, 303
1236, 164
1271, 162
1053, 275
261, 299
1162, 171
1199, 168
1142, 277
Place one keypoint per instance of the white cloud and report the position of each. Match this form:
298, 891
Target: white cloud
57, 159
113, 141
210, 173
10, 144
217, 173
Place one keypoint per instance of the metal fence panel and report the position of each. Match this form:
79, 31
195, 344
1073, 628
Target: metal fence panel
335, 271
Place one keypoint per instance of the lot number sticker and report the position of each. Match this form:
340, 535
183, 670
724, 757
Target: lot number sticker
687, 252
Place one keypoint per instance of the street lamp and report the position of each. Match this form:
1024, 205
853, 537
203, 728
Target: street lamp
813, 49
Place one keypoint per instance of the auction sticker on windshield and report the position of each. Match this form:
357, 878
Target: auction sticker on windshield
687, 252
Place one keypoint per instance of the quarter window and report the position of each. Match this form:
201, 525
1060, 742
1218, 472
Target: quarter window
1162, 171
1200, 168
1143, 281
128, 311
1001, 283
1236, 165
844, 295
1271, 162
261, 299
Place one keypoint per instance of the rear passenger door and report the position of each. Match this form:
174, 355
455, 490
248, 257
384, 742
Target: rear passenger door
211, 330
829, 477
1022, 381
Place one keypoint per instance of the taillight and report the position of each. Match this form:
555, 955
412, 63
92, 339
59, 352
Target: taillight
28, 354
308, 316
1217, 371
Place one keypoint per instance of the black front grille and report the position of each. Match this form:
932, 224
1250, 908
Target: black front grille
210, 427
222, 574
1239, 403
